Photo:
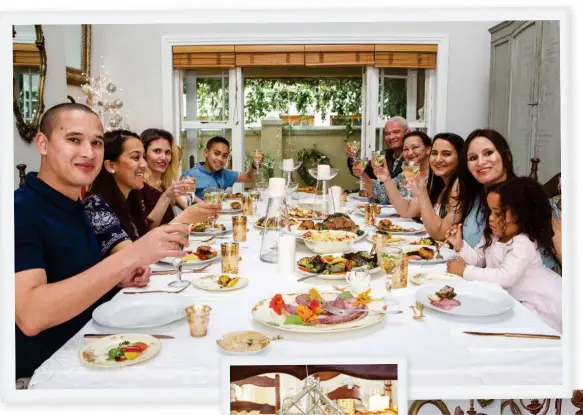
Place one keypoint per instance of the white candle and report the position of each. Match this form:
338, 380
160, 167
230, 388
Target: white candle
276, 187
288, 165
286, 254
323, 172
334, 205
378, 403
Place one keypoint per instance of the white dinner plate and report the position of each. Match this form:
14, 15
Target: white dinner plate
95, 353
141, 311
386, 212
416, 228
424, 278
195, 263
209, 282
477, 299
355, 196
265, 315
243, 336
446, 254
226, 207
228, 228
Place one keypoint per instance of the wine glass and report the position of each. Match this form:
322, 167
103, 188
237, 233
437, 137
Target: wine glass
214, 195
178, 262
190, 187
362, 162
353, 148
410, 171
389, 260
254, 194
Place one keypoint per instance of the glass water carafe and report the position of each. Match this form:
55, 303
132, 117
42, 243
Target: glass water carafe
276, 220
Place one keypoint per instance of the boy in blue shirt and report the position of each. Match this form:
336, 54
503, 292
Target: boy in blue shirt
212, 172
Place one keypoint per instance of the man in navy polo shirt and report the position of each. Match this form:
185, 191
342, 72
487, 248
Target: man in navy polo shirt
59, 277
212, 172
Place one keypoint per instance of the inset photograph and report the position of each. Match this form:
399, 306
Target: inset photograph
302, 389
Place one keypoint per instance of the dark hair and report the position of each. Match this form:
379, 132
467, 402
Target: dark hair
526, 199
152, 134
51, 116
470, 190
427, 143
438, 184
217, 139
129, 211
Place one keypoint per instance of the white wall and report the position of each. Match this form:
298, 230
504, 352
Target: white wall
131, 55
55, 93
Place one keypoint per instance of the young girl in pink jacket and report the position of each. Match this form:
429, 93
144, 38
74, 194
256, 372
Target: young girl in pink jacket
519, 218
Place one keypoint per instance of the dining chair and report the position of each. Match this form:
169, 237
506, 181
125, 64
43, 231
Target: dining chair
262, 408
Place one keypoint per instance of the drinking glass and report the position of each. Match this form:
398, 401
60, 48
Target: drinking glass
362, 162
214, 195
178, 262
190, 186
410, 171
390, 260
353, 148
378, 158
254, 194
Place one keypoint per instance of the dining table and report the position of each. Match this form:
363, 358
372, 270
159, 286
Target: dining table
438, 352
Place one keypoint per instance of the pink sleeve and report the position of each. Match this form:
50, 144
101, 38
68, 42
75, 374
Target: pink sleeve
473, 256
516, 260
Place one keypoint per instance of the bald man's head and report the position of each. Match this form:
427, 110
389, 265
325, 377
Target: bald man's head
51, 117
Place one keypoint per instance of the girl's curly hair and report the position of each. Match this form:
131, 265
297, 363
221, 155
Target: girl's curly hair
532, 210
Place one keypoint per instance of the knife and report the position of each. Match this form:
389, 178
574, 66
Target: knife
523, 335
98, 336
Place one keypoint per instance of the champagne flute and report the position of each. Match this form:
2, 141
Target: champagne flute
411, 170
214, 195
178, 262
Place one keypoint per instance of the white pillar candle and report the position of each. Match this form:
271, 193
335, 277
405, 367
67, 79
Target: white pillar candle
378, 403
334, 204
286, 254
323, 172
288, 165
276, 187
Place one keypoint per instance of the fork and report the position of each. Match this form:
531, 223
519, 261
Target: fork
347, 312
156, 291
190, 271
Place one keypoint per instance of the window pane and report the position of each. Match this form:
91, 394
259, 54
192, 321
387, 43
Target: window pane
212, 96
394, 97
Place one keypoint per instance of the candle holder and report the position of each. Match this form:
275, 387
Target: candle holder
323, 176
288, 166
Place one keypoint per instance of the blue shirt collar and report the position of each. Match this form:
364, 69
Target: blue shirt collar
51, 195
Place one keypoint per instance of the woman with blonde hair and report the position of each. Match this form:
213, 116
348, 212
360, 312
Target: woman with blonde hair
161, 189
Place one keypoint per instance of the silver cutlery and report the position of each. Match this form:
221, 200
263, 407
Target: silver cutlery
157, 291
347, 312
99, 336
521, 335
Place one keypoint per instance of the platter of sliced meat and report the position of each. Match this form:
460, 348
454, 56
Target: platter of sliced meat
465, 299
319, 313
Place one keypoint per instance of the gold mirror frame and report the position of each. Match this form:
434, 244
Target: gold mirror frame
28, 130
81, 76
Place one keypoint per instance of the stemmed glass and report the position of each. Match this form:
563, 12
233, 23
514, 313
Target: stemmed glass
362, 162
214, 195
410, 171
389, 260
258, 158
254, 194
190, 187
178, 262
353, 148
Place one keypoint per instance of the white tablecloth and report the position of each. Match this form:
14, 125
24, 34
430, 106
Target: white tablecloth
437, 354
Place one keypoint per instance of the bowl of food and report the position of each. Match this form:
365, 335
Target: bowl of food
329, 242
243, 343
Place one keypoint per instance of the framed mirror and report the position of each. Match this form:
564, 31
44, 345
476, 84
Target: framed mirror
29, 74
78, 53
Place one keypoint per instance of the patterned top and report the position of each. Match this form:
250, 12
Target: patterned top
381, 194
105, 224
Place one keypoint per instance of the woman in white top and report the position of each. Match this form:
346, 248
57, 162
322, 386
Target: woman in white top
436, 202
519, 218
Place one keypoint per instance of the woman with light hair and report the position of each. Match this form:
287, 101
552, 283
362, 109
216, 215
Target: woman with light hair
161, 189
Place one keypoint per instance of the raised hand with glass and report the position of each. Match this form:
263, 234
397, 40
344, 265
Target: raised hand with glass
214, 195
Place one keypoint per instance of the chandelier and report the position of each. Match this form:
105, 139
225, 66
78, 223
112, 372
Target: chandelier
310, 400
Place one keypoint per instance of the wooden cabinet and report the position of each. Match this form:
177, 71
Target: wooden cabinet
525, 93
